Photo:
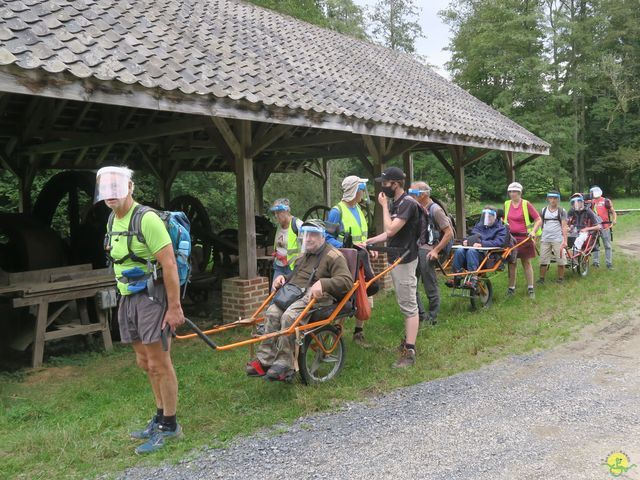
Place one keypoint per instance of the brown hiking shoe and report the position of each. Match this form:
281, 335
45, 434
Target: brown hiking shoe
407, 359
358, 339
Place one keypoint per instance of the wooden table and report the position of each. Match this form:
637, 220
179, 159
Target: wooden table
42, 288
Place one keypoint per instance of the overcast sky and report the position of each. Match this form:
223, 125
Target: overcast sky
436, 32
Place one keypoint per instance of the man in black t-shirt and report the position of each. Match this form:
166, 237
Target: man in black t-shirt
401, 216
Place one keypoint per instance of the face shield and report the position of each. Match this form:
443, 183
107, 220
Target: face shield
112, 183
416, 192
279, 207
577, 203
488, 217
596, 192
553, 198
311, 239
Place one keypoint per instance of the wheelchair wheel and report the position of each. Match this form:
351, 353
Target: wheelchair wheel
321, 356
583, 265
482, 295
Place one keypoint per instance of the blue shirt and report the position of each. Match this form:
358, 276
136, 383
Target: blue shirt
335, 217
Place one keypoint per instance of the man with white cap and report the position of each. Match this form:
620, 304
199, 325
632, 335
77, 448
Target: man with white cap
603, 208
143, 315
353, 226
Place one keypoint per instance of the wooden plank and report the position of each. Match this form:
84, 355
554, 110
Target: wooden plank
68, 331
366, 163
245, 189
443, 161
229, 137
523, 162
263, 142
510, 172
121, 136
374, 153
59, 296
326, 185
458, 168
44, 275
407, 162
84, 273
41, 326
53, 287
474, 158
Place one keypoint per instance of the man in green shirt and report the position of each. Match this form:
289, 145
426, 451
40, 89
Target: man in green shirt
148, 301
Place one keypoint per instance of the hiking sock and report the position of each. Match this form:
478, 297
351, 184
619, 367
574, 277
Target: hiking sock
159, 415
358, 330
169, 422
530, 287
409, 346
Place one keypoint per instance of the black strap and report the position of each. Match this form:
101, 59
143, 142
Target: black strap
134, 229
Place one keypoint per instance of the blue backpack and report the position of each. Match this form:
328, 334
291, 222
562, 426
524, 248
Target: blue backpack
178, 226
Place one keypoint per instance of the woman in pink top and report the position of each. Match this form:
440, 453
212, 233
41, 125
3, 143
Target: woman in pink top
514, 216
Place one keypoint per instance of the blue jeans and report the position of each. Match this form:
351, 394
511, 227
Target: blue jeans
468, 258
280, 270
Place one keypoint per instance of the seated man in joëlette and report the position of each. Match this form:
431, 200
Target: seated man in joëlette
488, 232
321, 272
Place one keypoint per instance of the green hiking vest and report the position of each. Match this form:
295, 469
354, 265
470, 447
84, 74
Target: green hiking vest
350, 223
525, 211
293, 249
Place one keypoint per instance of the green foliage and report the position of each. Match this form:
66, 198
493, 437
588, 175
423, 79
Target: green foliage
394, 24
343, 16
566, 70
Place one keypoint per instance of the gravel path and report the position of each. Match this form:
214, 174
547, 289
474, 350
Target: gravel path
550, 415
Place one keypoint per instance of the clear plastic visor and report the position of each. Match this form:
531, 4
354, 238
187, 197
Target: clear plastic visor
111, 185
488, 217
311, 239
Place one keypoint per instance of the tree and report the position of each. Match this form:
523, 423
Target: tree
394, 24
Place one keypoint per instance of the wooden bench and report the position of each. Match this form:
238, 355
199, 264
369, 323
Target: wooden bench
40, 289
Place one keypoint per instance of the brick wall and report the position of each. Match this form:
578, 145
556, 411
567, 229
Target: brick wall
240, 298
378, 265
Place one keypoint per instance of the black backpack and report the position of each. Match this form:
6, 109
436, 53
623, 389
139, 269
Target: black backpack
558, 218
429, 233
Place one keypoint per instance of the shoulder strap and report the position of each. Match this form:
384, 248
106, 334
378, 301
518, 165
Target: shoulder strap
544, 215
135, 229
294, 225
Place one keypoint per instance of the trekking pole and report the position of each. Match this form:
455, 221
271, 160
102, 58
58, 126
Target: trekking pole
166, 331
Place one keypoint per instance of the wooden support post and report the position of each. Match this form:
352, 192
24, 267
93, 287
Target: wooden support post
510, 171
37, 353
326, 190
261, 174
407, 162
26, 176
378, 168
458, 178
245, 187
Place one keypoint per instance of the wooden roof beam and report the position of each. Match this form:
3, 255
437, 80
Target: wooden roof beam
523, 162
443, 161
137, 134
475, 157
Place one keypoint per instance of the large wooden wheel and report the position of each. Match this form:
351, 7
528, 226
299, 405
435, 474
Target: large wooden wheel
317, 211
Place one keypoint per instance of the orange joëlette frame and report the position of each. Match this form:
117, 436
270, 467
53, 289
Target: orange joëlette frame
587, 248
295, 326
505, 253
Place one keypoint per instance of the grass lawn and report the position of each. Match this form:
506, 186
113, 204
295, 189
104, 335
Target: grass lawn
71, 419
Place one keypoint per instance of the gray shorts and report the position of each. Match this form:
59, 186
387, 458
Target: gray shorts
405, 284
140, 317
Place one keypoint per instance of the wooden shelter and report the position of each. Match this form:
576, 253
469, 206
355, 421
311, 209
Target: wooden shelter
223, 85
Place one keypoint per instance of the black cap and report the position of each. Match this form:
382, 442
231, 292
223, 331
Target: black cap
391, 174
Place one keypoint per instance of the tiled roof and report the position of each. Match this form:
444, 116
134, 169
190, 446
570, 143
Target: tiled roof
237, 51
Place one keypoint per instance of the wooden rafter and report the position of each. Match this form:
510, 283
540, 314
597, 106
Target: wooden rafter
262, 142
443, 161
523, 162
475, 157
134, 135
